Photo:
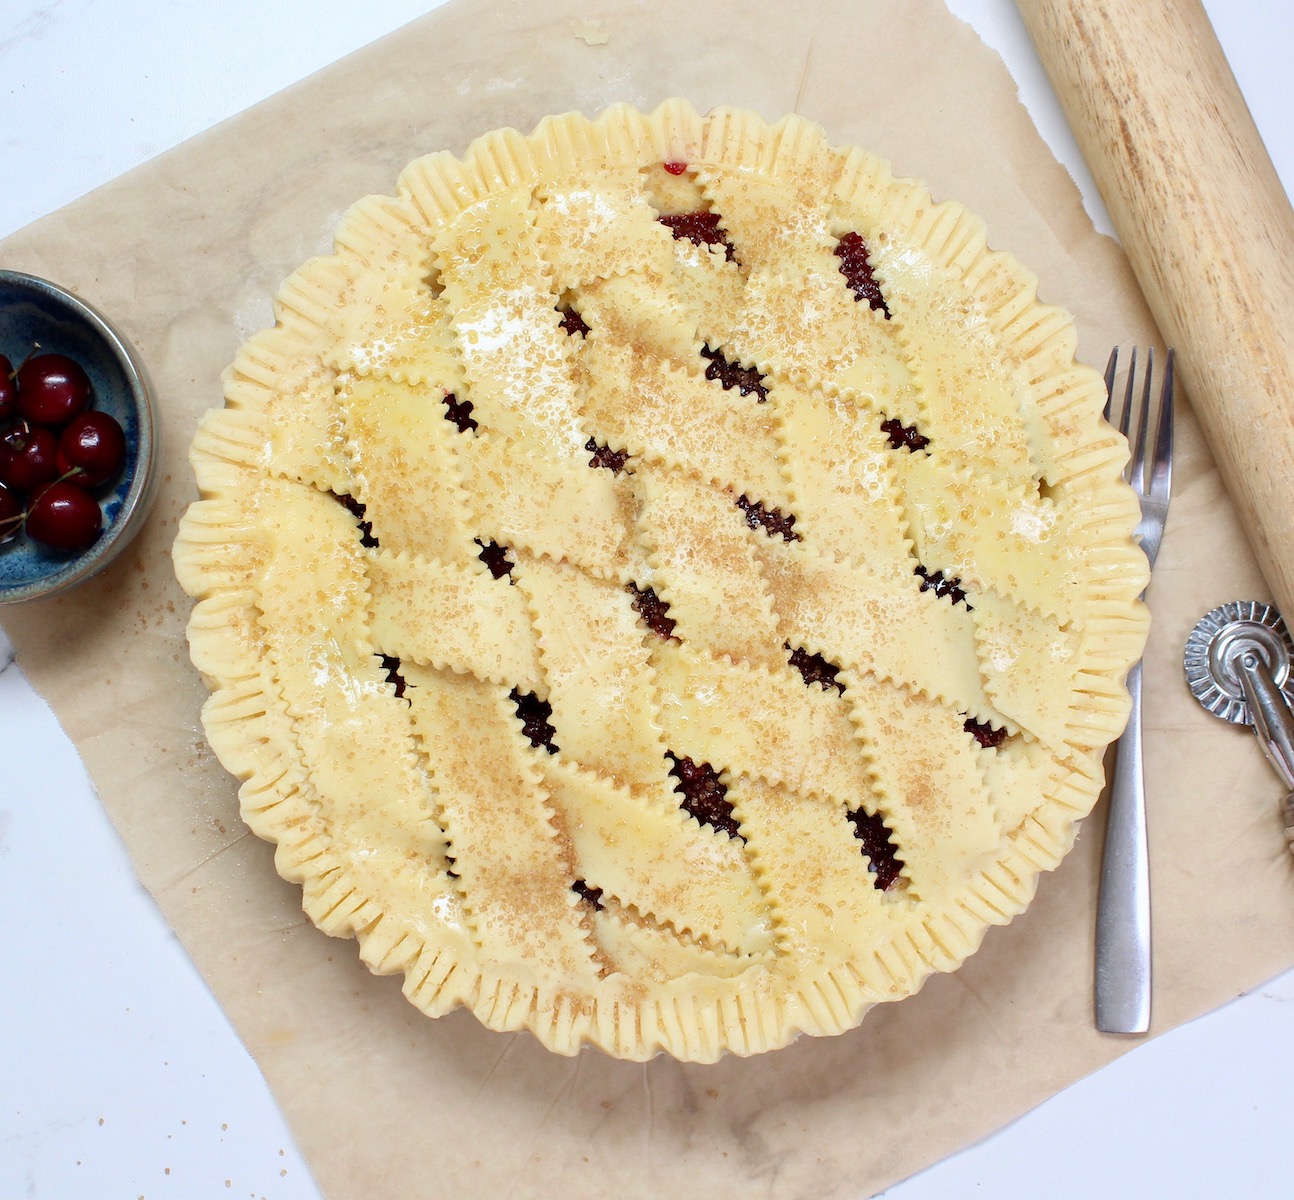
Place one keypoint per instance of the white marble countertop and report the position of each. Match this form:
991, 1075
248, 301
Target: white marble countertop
137, 1086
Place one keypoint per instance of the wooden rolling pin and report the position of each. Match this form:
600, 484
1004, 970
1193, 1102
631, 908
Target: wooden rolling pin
1206, 225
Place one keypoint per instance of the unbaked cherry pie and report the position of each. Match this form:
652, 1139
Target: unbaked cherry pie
664, 583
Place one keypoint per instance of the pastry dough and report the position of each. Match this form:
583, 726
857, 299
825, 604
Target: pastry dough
664, 583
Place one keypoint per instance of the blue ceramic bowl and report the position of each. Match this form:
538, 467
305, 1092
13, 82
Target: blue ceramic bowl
32, 311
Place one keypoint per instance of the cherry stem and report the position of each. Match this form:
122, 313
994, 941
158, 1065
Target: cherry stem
30, 353
42, 488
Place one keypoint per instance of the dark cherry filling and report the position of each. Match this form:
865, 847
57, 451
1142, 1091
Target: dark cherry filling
495, 557
985, 734
356, 510
675, 168
604, 456
934, 581
730, 375
815, 669
704, 795
771, 520
391, 665
701, 227
459, 412
590, 895
903, 437
880, 850
534, 714
857, 270
654, 611
572, 322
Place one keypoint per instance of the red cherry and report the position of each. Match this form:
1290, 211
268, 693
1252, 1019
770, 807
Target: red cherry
8, 390
91, 450
10, 513
64, 517
52, 389
27, 457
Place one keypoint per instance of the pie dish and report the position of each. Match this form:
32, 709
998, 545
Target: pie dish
663, 582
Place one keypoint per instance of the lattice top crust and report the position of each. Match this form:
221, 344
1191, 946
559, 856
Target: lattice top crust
663, 582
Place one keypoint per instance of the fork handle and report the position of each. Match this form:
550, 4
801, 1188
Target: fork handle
1123, 910
1206, 224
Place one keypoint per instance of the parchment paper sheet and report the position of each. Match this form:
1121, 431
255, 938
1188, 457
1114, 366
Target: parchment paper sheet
185, 253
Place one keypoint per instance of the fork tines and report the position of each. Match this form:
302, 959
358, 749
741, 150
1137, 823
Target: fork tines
1161, 457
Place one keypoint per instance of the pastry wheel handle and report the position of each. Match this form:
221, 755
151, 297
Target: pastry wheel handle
1273, 726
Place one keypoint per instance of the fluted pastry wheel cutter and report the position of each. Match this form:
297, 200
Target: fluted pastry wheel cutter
1240, 665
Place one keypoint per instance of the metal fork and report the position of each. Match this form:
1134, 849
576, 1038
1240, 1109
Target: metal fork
1123, 910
